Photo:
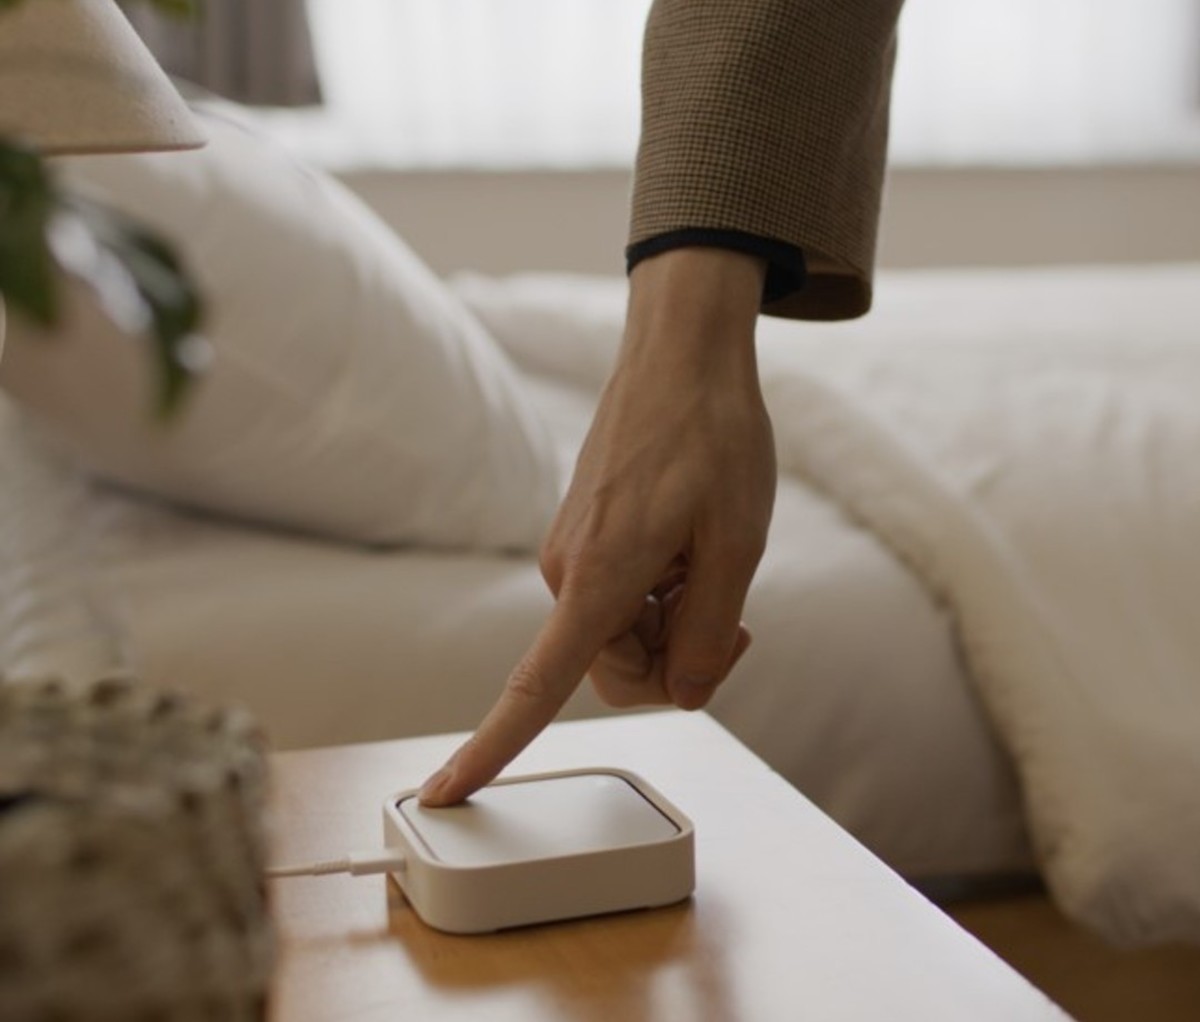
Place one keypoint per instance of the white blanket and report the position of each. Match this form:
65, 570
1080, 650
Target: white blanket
1039, 466
1029, 443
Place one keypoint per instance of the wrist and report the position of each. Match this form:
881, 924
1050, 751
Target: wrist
694, 307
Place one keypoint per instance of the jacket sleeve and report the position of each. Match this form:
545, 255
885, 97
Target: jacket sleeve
764, 128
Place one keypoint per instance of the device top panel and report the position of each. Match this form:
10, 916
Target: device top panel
544, 818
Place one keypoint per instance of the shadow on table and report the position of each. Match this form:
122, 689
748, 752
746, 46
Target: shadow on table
654, 963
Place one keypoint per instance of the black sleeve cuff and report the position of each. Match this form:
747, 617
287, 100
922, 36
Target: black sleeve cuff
786, 271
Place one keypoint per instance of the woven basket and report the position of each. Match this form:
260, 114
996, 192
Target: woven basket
131, 857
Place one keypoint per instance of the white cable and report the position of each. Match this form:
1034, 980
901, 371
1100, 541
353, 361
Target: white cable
382, 860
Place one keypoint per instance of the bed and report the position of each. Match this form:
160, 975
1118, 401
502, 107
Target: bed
853, 689
927, 597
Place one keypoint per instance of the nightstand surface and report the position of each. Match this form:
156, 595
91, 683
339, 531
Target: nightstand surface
792, 919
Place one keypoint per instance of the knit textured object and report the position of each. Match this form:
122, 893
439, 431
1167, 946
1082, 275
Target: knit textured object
131, 857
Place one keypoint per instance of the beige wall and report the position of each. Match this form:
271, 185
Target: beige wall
575, 221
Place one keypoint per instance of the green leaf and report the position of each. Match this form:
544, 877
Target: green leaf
136, 276
111, 253
179, 8
172, 8
27, 203
175, 8
174, 306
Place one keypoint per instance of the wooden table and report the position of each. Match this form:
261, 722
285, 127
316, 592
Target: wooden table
792, 919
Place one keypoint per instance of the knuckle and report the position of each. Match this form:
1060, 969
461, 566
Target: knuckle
745, 545
588, 583
597, 555
527, 684
551, 566
579, 565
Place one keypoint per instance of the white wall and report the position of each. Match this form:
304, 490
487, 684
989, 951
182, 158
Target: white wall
575, 221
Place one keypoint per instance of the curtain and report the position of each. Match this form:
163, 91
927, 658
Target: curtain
254, 51
481, 82
555, 82
1047, 81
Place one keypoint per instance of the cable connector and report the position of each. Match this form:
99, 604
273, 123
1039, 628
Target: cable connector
382, 860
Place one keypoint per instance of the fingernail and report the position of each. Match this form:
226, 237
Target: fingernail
693, 691
433, 788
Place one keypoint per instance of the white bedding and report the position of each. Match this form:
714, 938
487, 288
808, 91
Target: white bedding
854, 689
1027, 442
1037, 463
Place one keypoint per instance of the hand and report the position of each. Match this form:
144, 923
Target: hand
654, 547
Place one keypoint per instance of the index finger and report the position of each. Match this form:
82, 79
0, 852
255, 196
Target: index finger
535, 691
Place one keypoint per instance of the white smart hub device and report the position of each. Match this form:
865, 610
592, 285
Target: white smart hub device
539, 848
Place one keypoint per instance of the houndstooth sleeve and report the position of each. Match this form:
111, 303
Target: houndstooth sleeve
764, 127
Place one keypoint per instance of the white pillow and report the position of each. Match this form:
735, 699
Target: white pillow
351, 394
562, 325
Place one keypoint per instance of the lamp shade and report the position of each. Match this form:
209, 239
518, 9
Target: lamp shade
75, 78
